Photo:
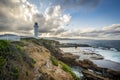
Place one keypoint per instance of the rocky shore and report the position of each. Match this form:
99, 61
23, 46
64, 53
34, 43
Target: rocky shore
95, 67
72, 45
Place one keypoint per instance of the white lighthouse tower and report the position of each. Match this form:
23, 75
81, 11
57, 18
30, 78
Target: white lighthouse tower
36, 30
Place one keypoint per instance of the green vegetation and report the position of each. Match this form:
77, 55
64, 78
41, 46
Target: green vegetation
66, 68
4, 44
19, 47
15, 72
13, 58
4, 53
54, 61
31, 62
5, 49
2, 63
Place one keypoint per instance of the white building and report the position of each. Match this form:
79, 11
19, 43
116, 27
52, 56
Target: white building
10, 37
36, 30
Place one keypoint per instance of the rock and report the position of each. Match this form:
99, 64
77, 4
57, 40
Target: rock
92, 76
97, 58
73, 60
88, 64
115, 74
69, 58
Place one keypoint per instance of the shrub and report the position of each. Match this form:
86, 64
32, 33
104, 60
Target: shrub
32, 62
54, 61
18, 47
15, 72
2, 61
4, 43
66, 68
5, 49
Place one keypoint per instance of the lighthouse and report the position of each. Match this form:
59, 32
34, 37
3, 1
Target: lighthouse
36, 30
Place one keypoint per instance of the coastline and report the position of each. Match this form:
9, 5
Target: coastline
105, 69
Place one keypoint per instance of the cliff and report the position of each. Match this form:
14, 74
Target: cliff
32, 59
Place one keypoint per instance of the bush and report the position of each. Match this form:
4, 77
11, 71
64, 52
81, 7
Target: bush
15, 72
4, 44
32, 62
2, 61
66, 68
18, 47
5, 49
54, 61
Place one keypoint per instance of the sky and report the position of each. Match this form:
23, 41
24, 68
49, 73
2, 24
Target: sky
89, 19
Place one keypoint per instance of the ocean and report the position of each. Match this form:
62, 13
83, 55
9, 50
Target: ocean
105, 44
109, 49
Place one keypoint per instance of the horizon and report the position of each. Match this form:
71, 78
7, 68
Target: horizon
75, 19
60, 38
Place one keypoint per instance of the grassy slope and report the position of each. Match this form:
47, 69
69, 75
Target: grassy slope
16, 64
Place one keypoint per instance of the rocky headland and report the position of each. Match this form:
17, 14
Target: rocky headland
40, 59
32, 59
95, 67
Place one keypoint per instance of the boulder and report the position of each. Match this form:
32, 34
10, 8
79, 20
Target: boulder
92, 76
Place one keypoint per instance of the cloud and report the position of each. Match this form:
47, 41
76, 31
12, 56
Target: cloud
108, 32
13, 17
52, 20
115, 27
18, 16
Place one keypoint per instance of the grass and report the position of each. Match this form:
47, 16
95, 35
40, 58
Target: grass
12, 58
66, 68
9, 52
54, 61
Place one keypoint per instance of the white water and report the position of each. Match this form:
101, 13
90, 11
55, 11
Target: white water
107, 54
77, 71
